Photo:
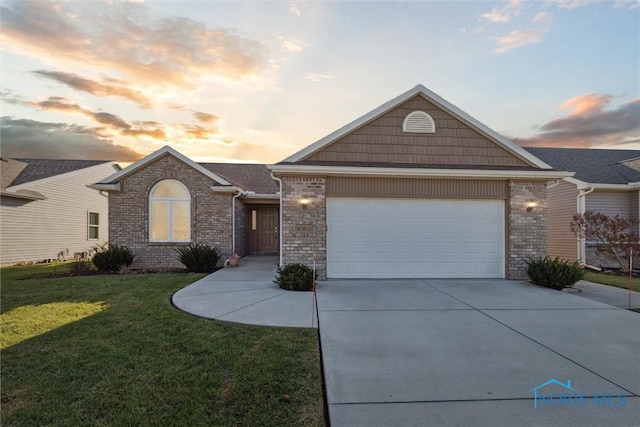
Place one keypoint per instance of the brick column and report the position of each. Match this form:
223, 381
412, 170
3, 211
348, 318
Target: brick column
527, 229
304, 229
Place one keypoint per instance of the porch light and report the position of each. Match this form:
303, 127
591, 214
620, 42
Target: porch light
304, 203
531, 205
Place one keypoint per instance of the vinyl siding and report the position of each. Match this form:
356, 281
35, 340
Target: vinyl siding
382, 140
561, 206
409, 188
37, 230
612, 203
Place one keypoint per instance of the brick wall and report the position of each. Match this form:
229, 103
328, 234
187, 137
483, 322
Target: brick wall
304, 230
129, 214
527, 230
243, 225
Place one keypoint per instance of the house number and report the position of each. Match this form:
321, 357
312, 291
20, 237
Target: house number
303, 230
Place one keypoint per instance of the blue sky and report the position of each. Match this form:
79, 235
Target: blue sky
257, 81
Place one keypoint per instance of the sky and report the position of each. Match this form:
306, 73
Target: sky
256, 81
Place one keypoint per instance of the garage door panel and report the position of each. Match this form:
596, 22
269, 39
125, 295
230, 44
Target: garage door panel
404, 238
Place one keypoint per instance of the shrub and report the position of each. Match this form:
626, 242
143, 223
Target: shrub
199, 258
554, 273
113, 258
81, 268
295, 277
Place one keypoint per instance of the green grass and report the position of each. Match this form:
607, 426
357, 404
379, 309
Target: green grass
111, 350
611, 280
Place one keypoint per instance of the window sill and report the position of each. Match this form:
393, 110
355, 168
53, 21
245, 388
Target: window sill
168, 243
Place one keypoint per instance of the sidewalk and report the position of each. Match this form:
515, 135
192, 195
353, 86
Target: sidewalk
247, 294
611, 295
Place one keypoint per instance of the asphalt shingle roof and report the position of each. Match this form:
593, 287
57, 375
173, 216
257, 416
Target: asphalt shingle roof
251, 177
44, 168
594, 166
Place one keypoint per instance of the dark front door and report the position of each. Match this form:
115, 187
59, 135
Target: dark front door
267, 229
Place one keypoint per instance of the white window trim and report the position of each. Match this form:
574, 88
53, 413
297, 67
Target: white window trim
90, 226
170, 214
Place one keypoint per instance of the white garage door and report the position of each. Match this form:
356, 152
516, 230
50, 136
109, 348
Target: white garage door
413, 238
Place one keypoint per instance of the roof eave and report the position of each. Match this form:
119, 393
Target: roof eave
157, 154
583, 185
105, 187
417, 172
32, 196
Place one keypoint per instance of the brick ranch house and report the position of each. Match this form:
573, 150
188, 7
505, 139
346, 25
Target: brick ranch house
414, 188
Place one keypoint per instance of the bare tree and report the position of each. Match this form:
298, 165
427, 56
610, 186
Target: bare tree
614, 236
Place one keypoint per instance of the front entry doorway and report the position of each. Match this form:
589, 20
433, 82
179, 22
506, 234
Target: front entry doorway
264, 230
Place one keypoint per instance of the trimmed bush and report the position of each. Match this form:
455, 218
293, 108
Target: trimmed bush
295, 277
199, 258
554, 273
113, 258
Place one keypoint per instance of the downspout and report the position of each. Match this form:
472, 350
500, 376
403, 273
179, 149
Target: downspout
581, 207
233, 219
280, 218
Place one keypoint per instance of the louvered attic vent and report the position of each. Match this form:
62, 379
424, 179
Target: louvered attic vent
418, 122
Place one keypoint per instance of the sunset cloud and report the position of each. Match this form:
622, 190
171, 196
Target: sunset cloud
316, 77
111, 121
204, 117
30, 138
570, 4
503, 13
290, 45
589, 124
123, 38
110, 86
294, 9
585, 104
517, 38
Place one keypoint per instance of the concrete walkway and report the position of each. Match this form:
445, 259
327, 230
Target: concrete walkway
611, 295
246, 294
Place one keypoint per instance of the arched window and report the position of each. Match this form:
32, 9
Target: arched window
169, 212
418, 122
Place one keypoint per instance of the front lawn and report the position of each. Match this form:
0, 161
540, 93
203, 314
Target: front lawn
612, 280
111, 350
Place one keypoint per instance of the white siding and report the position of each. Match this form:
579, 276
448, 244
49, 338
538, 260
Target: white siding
37, 230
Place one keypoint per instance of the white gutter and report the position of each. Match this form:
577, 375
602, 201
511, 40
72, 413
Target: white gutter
581, 208
279, 217
418, 172
251, 195
233, 219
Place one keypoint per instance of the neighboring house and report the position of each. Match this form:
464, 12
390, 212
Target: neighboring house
606, 181
47, 210
415, 188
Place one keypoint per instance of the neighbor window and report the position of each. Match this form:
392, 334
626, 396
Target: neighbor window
169, 212
94, 225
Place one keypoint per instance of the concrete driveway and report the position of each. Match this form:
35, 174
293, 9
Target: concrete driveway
472, 352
